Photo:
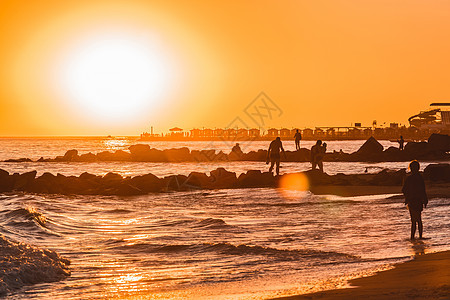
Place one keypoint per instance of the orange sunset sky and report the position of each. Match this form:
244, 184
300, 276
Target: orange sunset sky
92, 67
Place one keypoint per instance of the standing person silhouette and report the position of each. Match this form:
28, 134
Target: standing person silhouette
315, 154
401, 142
415, 197
321, 155
273, 154
297, 137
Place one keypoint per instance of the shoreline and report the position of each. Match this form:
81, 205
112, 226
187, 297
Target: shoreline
424, 277
436, 190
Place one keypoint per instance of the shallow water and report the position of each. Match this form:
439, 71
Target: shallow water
193, 243
231, 244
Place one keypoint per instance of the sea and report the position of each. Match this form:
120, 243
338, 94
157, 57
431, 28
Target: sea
213, 244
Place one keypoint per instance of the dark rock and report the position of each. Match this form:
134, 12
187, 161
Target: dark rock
209, 155
387, 177
197, 180
46, 176
221, 156
125, 189
221, 178
3, 173
260, 155
70, 155
112, 177
316, 177
439, 142
254, 178
24, 159
121, 155
342, 179
437, 172
75, 185
105, 156
88, 176
393, 154
370, 149
416, 150
302, 155
147, 183
46, 183
175, 182
139, 152
88, 157
22, 181
177, 155
6, 181
203, 155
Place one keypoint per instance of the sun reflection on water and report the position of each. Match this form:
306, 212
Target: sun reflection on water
115, 144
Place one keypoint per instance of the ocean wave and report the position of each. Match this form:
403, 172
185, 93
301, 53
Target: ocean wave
117, 211
22, 264
211, 223
26, 220
29, 213
206, 223
239, 250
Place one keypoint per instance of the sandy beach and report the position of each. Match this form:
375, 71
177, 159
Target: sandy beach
425, 277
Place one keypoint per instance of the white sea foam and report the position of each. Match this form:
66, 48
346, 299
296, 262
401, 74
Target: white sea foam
22, 264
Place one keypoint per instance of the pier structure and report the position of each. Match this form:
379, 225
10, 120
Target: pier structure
392, 132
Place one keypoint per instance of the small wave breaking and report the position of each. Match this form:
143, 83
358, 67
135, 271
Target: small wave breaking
29, 213
240, 250
22, 264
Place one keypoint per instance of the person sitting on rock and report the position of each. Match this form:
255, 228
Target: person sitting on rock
316, 152
273, 154
236, 153
237, 150
415, 197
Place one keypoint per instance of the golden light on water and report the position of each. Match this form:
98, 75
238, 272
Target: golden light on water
293, 186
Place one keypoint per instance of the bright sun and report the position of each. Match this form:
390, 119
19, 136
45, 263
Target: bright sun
115, 78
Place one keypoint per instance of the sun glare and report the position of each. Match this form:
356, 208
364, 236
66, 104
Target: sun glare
293, 186
115, 78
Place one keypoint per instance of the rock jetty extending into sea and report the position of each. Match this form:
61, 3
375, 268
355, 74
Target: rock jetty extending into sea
435, 149
115, 184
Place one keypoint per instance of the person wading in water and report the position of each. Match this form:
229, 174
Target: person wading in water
415, 197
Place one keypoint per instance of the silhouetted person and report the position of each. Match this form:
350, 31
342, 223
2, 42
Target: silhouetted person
297, 138
237, 149
273, 154
316, 155
401, 142
415, 197
323, 150
236, 152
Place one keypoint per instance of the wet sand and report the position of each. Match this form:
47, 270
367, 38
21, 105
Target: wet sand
425, 277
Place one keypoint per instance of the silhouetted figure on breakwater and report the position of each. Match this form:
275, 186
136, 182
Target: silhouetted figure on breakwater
317, 156
297, 137
273, 154
401, 142
415, 197
323, 150
237, 150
